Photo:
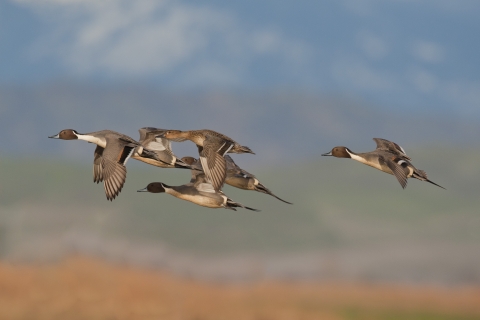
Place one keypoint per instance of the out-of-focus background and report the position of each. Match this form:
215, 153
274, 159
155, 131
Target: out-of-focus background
290, 80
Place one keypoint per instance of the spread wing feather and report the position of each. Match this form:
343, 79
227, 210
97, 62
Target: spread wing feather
205, 187
112, 165
214, 165
392, 147
114, 175
397, 170
97, 165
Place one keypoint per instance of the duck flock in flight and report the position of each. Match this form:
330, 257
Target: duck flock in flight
214, 167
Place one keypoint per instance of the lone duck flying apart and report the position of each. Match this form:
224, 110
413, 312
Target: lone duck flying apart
388, 157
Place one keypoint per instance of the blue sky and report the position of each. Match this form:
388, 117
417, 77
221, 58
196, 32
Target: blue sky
416, 55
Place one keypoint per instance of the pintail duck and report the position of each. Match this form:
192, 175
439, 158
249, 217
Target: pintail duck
212, 146
388, 157
237, 177
111, 154
149, 139
198, 191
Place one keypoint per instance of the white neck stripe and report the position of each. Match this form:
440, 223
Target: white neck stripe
99, 142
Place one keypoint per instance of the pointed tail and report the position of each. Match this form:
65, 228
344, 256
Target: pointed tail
232, 205
261, 188
435, 184
241, 149
182, 165
422, 175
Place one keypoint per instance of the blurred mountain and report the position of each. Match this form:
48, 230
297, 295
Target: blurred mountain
279, 125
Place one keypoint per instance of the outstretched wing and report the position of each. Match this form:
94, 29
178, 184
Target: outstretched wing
397, 169
149, 139
112, 164
97, 165
214, 165
233, 170
114, 178
392, 147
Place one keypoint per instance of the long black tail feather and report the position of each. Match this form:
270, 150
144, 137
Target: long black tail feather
232, 205
435, 184
261, 188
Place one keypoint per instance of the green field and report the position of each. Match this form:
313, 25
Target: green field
341, 208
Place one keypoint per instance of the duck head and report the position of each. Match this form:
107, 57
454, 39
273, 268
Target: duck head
67, 134
174, 135
154, 187
339, 152
189, 160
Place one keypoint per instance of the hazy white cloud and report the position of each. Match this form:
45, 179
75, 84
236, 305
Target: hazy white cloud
147, 37
428, 52
373, 46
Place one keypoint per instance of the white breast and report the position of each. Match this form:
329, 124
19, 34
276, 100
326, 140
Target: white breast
98, 141
374, 164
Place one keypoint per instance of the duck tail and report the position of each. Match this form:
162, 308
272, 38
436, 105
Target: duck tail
256, 210
232, 205
261, 188
182, 165
244, 149
435, 184
422, 175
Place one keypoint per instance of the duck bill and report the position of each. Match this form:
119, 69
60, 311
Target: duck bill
143, 190
55, 136
327, 154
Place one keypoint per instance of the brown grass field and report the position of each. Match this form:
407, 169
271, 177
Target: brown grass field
86, 288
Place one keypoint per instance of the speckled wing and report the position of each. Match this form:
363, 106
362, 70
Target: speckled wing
392, 147
97, 165
397, 170
213, 163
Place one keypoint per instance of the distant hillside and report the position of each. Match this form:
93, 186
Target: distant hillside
347, 221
